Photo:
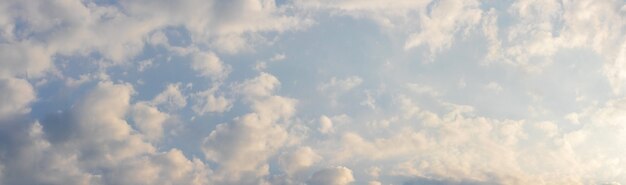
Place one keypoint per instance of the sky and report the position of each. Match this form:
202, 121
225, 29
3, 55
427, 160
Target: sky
312, 92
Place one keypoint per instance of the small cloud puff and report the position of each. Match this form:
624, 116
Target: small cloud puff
332, 176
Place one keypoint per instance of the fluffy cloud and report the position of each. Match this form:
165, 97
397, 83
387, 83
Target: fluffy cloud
94, 144
105, 140
191, 92
298, 160
22, 147
243, 146
101, 133
490, 150
262, 85
443, 21
149, 120
23, 59
171, 98
326, 125
35, 31
17, 94
332, 176
209, 65
170, 168
207, 101
226, 22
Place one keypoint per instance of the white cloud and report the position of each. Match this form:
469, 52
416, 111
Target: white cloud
332, 176
386, 14
433, 24
84, 78
94, 144
171, 98
16, 95
263, 85
543, 27
149, 120
253, 138
326, 125
23, 59
101, 125
548, 128
340, 85
144, 64
21, 166
110, 132
532, 36
170, 167
491, 31
262, 65
224, 24
242, 147
209, 65
442, 22
374, 172
298, 160
119, 33
274, 107
207, 101
614, 70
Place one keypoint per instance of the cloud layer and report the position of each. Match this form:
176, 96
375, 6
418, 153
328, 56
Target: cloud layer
313, 92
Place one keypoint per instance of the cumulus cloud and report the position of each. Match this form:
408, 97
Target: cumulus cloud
94, 144
101, 124
262, 85
332, 176
243, 146
23, 59
298, 160
35, 31
69, 113
171, 98
250, 141
149, 120
20, 142
207, 101
326, 125
170, 167
17, 94
209, 65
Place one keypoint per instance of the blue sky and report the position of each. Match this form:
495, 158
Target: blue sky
312, 92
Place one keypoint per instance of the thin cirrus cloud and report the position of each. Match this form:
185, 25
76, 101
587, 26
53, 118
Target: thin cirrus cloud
312, 92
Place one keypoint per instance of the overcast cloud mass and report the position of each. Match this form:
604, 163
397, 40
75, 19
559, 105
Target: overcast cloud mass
312, 92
